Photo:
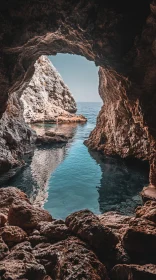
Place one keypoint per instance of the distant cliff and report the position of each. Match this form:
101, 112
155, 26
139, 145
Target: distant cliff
46, 96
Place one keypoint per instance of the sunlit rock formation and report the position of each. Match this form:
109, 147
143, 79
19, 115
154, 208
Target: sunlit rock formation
46, 97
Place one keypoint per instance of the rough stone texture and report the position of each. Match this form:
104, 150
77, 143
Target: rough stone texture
87, 226
12, 234
27, 216
118, 36
18, 269
21, 264
4, 250
118, 131
70, 259
54, 231
116, 222
46, 96
36, 239
3, 220
10, 195
50, 249
149, 193
133, 272
147, 211
140, 237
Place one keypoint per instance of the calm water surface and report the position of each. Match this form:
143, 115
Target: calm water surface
69, 178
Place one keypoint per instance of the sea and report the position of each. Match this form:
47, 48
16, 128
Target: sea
66, 178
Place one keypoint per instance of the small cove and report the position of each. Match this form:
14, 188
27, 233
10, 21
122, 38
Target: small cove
64, 179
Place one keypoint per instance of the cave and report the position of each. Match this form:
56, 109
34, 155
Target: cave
120, 38
124, 51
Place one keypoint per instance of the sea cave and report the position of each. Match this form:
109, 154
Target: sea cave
77, 156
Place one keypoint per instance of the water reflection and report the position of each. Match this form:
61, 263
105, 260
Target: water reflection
34, 177
68, 130
68, 178
121, 182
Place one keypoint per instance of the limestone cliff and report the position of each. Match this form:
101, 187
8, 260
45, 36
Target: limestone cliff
46, 96
119, 131
45, 99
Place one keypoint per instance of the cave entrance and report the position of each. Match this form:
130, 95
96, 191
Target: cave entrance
69, 177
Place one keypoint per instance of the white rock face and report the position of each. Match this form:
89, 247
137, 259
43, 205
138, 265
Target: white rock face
46, 96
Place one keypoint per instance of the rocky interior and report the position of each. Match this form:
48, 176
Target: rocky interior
120, 37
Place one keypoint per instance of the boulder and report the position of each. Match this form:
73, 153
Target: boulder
88, 227
70, 259
18, 269
36, 238
4, 250
116, 222
54, 231
147, 211
10, 195
12, 235
21, 264
27, 216
140, 237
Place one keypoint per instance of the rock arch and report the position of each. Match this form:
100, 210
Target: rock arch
118, 36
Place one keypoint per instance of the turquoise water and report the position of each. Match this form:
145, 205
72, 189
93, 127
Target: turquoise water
64, 179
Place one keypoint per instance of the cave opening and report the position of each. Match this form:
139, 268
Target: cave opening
67, 177
102, 175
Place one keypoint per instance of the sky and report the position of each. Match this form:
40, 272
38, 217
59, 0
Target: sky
80, 75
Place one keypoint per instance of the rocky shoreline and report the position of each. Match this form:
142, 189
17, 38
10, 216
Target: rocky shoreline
46, 99
33, 245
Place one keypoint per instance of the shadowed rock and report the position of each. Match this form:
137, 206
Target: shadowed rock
27, 216
55, 231
116, 222
3, 220
87, 226
21, 264
134, 272
18, 269
4, 250
12, 235
140, 237
70, 259
147, 211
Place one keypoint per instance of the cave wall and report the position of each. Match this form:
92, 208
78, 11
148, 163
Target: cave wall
118, 130
127, 121
119, 36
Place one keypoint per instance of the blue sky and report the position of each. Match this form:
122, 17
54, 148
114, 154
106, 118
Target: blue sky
80, 75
